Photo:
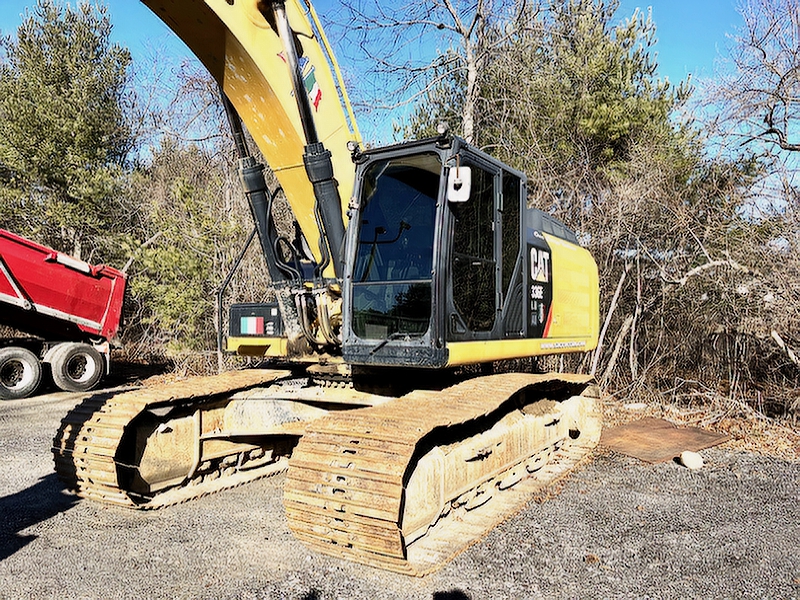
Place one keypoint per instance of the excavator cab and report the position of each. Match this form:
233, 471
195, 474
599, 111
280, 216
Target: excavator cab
446, 265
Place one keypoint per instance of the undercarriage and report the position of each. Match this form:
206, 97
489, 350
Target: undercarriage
400, 483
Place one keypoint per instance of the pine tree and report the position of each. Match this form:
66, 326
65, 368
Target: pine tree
63, 133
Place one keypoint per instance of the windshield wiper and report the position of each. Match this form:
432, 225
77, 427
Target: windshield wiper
394, 336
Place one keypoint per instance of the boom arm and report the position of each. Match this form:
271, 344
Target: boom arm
243, 51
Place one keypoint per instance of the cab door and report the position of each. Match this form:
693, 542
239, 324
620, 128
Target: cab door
474, 258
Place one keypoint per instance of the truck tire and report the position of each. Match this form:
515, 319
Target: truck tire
76, 367
20, 373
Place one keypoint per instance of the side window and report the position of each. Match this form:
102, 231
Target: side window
473, 258
511, 227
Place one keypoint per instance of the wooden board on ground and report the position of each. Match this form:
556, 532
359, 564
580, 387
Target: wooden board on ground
656, 440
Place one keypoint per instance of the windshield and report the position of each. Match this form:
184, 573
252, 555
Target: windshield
394, 255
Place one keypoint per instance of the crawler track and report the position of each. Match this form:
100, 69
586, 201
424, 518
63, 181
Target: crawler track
88, 443
404, 485
347, 489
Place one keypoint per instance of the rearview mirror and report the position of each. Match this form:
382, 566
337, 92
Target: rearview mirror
459, 181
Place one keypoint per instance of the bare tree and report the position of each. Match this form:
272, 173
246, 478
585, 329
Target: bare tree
764, 91
409, 50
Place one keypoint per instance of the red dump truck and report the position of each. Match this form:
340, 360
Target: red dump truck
70, 309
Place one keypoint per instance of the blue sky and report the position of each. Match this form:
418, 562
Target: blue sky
692, 34
134, 25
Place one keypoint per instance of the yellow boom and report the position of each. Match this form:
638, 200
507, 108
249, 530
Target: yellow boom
243, 52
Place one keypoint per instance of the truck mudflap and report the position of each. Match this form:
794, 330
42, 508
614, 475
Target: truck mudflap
408, 485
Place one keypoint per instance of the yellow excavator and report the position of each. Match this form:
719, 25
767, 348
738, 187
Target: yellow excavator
412, 268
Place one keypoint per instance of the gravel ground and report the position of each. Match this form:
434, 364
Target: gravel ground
617, 529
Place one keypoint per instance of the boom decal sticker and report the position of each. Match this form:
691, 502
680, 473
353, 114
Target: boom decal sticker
310, 80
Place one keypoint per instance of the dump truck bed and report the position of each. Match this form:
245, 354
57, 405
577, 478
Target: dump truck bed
50, 294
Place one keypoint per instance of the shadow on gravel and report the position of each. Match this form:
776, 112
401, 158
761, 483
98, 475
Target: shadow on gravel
451, 595
34, 505
126, 372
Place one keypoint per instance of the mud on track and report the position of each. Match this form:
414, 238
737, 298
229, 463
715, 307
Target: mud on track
617, 529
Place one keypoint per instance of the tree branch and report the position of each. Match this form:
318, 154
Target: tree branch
711, 265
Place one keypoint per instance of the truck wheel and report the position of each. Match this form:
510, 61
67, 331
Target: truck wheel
20, 373
76, 367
